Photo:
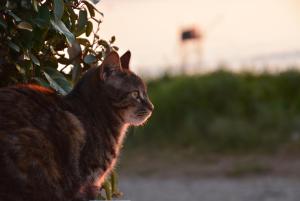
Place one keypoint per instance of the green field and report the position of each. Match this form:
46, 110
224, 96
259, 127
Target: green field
223, 112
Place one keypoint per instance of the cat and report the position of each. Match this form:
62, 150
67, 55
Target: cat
61, 148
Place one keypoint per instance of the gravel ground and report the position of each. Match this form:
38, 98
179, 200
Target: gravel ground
211, 189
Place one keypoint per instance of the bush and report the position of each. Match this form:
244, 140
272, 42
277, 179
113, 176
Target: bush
223, 112
36, 35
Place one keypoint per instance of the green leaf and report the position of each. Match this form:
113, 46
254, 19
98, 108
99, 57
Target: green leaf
14, 16
43, 17
41, 82
13, 46
25, 4
83, 41
54, 84
73, 17
25, 26
74, 50
80, 32
74, 54
104, 43
2, 4
63, 60
89, 28
88, 59
58, 9
57, 80
95, 1
11, 5
90, 7
34, 59
35, 5
26, 39
76, 71
113, 39
61, 28
82, 20
20, 69
25, 67
3, 23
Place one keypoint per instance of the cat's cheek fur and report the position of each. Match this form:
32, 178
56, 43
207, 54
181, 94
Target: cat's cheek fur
132, 119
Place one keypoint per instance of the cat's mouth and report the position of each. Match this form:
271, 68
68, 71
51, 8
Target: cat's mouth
137, 118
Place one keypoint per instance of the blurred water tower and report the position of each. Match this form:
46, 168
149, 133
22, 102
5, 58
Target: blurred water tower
191, 49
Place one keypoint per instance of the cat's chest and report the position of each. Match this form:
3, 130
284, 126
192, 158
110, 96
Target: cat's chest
96, 177
99, 175
107, 160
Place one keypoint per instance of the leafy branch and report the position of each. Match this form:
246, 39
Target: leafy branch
38, 37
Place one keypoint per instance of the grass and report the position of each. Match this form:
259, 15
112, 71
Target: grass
248, 169
222, 112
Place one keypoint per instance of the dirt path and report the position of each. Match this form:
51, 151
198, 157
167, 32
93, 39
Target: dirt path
226, 178
211, 189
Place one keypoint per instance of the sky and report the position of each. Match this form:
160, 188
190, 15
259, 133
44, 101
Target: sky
236, 33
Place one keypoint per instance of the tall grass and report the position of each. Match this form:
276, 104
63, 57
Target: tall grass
223, 112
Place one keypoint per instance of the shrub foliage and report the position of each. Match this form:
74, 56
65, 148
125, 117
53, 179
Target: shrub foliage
38, 37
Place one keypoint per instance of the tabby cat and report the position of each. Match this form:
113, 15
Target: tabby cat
61, 148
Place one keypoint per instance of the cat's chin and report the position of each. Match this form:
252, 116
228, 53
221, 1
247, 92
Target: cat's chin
137, 121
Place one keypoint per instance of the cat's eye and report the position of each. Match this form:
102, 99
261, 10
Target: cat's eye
135, 94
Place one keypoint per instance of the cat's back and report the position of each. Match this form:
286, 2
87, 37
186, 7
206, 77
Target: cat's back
40, 111
40, 142
25, 105
26, 94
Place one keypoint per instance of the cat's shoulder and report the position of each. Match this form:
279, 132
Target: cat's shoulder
30, 98
28, 91
36, 88
26, 88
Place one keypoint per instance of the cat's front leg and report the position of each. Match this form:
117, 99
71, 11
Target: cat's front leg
93, 192
88, 192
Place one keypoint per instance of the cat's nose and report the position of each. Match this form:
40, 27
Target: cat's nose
150, 106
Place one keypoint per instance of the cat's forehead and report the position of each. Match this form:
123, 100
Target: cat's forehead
130, 80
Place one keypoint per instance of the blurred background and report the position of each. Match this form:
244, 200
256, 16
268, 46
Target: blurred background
224, 78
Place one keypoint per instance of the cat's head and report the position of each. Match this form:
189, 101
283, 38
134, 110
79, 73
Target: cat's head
126, 91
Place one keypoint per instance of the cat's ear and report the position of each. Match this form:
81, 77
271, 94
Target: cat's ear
110, 65
125, 59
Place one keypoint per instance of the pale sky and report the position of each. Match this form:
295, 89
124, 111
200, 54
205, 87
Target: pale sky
235, 31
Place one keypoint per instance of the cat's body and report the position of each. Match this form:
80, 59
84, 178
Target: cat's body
62, 147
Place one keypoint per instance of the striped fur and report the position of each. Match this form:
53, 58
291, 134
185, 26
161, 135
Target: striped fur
63, 147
